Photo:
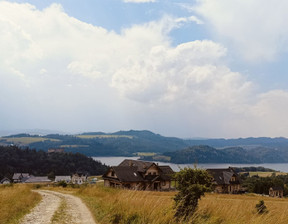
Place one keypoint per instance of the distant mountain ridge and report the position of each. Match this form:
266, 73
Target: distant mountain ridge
127, 143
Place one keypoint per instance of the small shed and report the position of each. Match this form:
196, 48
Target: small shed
20, 177
66, 179
37, 179
276, 192
5, 180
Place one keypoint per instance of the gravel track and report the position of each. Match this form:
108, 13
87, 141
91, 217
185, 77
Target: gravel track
75, 211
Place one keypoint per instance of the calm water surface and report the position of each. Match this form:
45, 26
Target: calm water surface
114, 161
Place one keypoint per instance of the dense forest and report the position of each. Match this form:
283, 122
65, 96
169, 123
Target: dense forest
14, 159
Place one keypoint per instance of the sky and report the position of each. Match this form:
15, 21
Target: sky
184, 68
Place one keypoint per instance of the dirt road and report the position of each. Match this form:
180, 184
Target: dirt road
59, 208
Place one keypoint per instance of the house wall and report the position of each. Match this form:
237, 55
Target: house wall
276, 193
78, 180
219, 189
106, 183
153, 170
111, 173
165, 185
232, 188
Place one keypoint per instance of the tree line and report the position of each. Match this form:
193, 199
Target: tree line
39, 163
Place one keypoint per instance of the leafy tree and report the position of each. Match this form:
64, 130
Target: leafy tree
192, 184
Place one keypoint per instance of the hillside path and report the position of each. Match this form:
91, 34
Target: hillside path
56, 208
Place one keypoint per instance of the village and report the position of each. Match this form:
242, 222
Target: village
142, 175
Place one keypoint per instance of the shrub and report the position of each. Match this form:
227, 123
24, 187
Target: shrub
261, 207
192, 184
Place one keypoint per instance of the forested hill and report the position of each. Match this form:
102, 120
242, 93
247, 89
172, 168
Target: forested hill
39, 163
207, 154
127, 143
122, 143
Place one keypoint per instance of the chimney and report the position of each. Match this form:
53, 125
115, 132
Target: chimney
130, 163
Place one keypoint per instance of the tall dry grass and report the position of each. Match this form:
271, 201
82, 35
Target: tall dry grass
110, 205
125, 206
239, 209
15, 202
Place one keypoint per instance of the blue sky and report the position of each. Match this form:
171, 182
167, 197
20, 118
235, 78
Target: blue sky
178, 68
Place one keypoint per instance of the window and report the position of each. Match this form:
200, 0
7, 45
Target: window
112, 173
154, 173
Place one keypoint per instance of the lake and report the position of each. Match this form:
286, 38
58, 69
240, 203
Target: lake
114, 161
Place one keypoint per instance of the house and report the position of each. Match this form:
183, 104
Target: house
79, 177
139, 175
225, 181
37, 179
66, 179
5, 180
20, 177
276, 192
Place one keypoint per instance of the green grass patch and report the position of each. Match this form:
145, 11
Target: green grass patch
145, 153
26, 140
265, 174
61, 215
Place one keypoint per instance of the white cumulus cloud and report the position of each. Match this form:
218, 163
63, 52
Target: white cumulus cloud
256, 29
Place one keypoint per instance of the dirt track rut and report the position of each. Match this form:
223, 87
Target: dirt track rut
59, 208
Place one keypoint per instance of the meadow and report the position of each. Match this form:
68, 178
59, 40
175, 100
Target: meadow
110, 205
16, 201
26, 140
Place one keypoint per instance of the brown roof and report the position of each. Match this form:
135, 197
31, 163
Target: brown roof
167, 172
277, 188
127, 174
141, 165
223, 176
133, 171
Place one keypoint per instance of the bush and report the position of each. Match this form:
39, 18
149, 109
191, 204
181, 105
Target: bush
62, 183
261, 207
192, 184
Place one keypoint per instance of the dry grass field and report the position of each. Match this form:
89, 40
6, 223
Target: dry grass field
110, 205
15, 202
142, 207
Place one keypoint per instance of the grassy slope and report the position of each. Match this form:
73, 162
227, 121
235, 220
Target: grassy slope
15, 202
266, 174
124, 206
26, 140
111, 205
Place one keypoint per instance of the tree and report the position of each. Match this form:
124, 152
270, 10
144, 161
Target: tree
192, 184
